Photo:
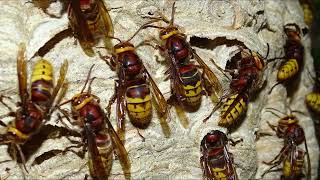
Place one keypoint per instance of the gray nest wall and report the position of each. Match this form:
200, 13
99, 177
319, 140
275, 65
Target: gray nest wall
176, 157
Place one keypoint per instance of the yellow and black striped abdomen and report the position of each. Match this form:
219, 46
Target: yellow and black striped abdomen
219, 168
192, 96
232, 110
292, 166
288, 70
105, 149
41, 82
313, 101
138, 99
192, 87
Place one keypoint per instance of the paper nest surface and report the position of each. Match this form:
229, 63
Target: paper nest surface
176, 157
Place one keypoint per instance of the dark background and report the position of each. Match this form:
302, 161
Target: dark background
315, 34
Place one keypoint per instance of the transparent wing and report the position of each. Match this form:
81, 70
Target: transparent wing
94, 155
157, 93
120, 150
161, 102
80, 27
60, 82
22, 74
108, 26
121, 107
212, 78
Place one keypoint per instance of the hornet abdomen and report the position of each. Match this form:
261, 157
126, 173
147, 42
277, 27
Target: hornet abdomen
232, 110
289, 69
42, 82
105, 150
191, 86
313, 101
292, 169
138, 99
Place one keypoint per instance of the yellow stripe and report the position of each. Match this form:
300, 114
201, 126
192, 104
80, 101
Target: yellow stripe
42, 70
219, 174
120, 50
289, 121
138, 100
217, 169
83, 103
166, 36
17, 133
188, 87
192, 93
35, 78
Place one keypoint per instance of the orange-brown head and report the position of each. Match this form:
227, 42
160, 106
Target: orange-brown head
293, 31
123, 47
78, 101
168, 32
287, 120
